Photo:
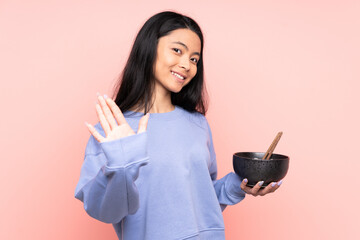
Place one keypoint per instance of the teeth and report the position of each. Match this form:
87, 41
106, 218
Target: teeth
177, 75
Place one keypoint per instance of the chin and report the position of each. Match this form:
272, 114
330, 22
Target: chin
176, 90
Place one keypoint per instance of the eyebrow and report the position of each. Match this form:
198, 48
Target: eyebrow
183, 44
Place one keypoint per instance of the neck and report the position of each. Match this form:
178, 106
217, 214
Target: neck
161, 103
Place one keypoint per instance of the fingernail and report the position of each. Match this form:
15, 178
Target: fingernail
261, 183
280, 183
86, 124
97, 94
245, 180
273, 184
105, 96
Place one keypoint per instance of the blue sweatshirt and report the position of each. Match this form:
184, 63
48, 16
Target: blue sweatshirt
160, 184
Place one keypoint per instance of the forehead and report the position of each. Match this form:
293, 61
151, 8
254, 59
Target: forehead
186, 36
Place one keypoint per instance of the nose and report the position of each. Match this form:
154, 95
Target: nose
185, 63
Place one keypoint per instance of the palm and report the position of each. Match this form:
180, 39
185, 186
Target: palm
120, 131
113, 122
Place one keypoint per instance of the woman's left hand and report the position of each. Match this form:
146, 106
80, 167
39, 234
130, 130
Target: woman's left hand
256, 191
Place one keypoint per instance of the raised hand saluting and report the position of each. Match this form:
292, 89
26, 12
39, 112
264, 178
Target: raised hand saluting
107, 111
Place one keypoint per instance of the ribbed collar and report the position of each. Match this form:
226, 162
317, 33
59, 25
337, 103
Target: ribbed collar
172, 115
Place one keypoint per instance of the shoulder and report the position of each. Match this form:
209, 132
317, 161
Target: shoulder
200, 126
196, 118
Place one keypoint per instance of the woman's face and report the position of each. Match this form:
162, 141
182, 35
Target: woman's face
176, 62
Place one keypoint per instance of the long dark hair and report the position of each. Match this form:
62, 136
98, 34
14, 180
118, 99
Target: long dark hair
135, 86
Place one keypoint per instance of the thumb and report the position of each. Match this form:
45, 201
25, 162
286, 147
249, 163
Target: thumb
143, 123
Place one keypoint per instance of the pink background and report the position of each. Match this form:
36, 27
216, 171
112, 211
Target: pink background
290, 66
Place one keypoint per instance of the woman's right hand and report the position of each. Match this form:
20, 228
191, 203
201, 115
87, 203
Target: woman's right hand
107, 112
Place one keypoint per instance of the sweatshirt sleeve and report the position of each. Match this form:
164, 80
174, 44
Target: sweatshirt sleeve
107, 179
228, 188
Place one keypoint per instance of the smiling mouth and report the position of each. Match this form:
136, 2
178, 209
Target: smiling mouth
178, 75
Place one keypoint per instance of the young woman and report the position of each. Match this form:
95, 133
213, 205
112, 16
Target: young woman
150, 167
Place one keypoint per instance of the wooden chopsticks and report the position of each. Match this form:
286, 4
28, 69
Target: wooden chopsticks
272, 146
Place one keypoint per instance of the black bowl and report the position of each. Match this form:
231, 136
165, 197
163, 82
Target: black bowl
251, 166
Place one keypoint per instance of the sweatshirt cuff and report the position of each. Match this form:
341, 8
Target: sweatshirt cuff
125, 151
233, 186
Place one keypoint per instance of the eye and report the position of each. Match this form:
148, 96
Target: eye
195, 60
176, 50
